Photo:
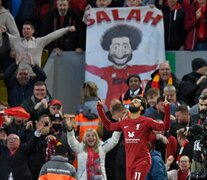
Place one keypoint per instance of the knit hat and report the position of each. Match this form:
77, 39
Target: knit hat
198, 63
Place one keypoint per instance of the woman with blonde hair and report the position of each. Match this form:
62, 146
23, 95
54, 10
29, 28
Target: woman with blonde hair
90, 152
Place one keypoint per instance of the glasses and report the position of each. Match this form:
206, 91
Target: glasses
23, 74
12, 139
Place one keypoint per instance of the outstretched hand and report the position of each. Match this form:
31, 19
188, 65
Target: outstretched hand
70, 121
100, 103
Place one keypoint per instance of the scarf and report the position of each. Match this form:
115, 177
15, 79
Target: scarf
50, 150
93, 165
181, 150
182, 175
156, 80
201, 24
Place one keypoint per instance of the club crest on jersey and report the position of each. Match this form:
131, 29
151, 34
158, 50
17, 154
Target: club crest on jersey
137, 126
130, 134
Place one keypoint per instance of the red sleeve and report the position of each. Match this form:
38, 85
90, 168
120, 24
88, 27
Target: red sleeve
167, 117
157, 126
108, 125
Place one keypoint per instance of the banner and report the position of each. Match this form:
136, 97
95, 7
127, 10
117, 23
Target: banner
121, 42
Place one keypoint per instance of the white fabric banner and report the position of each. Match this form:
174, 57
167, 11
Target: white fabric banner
121, 42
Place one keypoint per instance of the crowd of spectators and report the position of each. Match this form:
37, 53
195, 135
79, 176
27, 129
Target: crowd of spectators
37, 140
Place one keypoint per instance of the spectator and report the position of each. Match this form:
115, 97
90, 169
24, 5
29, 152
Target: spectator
34, 46
91, 152
18, 155
60, 17
37, 104
185, 147
171, 93
58, 167
7, 20
38, 154
56, 107
182, 119
151, 96
57, 134
19, 82
199, 117
134, 84
193, 83
87, 115
162, 77
173, 15
196, 26
137, 164
184, 169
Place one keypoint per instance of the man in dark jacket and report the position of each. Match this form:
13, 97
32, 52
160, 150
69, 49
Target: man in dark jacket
193, 83
63, 16
19, 82
13, 159
162, 77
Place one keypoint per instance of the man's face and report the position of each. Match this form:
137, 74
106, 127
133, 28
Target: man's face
120, 51
152, 100
171, 96
13, 142
203, 70
55, 109
47, 125
181, 117
184, 163
40, 92
135, 105
164, 71
160, 106
22, 77
119, 115
27, 31
62, 7
202, 104
134, 83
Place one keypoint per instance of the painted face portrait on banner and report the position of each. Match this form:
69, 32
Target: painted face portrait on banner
122, 46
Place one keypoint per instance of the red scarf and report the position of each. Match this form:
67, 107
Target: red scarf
156, 80
93, 164
183, 175
50, 150
201, 25
181, 150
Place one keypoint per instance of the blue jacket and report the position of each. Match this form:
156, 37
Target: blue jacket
158, 170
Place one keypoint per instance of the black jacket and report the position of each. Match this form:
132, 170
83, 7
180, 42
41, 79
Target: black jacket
71, 40
16, 92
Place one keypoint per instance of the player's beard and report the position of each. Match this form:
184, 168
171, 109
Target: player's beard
133, 109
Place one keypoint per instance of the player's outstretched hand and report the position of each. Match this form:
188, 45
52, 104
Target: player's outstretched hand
166, 102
